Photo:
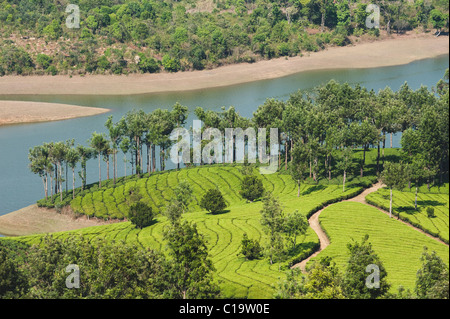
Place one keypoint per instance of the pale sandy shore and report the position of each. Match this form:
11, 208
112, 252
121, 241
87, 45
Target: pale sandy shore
395, 50
13, 112
37, 220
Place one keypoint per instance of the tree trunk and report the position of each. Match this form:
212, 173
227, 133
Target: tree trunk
378, 158
298, 193
67, 187
286, 155
46, 186
310, 169
107, 167
60, 182
153, 157
45, 189
292, 147
343, 184
99, 172
390, 138
73, 182
415, 200
363, 161
125, 165
322, 22
114, 166
148, 158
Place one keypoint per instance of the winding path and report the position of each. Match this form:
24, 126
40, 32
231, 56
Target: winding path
324, 241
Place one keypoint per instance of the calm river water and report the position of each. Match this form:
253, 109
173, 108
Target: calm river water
20, 188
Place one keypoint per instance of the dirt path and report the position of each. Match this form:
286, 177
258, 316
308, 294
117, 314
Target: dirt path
324, 241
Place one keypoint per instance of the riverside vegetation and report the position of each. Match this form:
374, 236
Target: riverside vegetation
149, 36
332, 147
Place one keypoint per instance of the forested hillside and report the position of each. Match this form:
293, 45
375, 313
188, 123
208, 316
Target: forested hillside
147, 36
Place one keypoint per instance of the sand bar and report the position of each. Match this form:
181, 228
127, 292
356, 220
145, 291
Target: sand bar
38, 220
13, 112
395, 50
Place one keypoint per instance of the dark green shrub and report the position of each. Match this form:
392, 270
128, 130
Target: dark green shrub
430, 212
141, 215
251, 188
251, 248
213, 201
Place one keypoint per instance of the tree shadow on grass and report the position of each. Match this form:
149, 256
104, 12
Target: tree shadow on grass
312, 189
300, 249
218, 213
429, 203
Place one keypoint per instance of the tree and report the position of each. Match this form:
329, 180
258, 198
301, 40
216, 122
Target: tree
250, 248
141, 215
433, 278
72, 158
295, 224
40, 164
299, 165
438, 19
125, 147
213, 201
115, 136
272, 220
251, 188
85, 154
99, 143
394, 176
356, 275
183, 195
190, 274
344, 163
173, 211
323, 281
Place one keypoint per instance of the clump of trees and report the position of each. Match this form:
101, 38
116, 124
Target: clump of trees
282, 230
108, 269
324, 280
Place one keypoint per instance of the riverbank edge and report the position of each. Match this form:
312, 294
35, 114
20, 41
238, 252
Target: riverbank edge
395, 50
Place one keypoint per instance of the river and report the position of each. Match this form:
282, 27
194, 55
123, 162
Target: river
20, 188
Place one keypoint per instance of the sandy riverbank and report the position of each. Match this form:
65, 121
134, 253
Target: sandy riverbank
395, 50
13, 112
37, 220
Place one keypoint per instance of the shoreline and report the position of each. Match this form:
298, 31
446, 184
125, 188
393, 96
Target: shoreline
21, 112
395, 50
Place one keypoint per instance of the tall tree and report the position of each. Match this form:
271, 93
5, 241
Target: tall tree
85, 153
355, 278
394, 176
191, 273
99, 143
115, 135
72, 158
272, 220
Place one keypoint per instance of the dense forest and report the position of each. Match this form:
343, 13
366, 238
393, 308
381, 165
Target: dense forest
148, 36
